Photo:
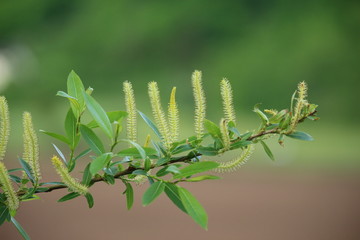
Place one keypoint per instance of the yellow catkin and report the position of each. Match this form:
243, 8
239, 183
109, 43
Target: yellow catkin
227, 98
200, 103
225, 134
236, 163
173, 115
147, 141
4, 126
31, 146
300, 103
131, 110
159, 115
69, 181
12, 199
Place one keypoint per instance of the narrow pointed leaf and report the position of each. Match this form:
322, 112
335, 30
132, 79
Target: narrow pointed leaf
129, 195
4, 214
196, 168
75, 89
69, 196
27, 169
71, 129
212, 128
151, 124
20, 229
152, 193
86, 176
56, 136
92, 140
301, 136
267, 150
193, 207
202, 178
113, 116
60, 153
99, 115
90, 200
172, 192
99, 163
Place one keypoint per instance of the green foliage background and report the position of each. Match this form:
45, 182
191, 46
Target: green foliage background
263, 47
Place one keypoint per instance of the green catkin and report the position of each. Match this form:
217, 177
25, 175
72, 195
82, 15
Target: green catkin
200, 103
12, 199
69, 181
131, 110
31, 146
236, 163
227, 98
4, 126
173, 117
300, 103
159, 114
225, 134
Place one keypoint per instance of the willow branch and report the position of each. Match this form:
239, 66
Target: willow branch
187, 158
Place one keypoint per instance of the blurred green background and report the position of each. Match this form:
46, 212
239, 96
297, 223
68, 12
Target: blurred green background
264, 47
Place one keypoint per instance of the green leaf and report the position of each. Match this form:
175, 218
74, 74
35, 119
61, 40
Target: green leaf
27, 169
301, 136
74, 104
94, 142
139, 148
147, 164
20, 229
151, 124
140, 172
182, 148
60, 153
202, 178
75, 89
196, 168
86, 179
262, 115
69, 196
267, 150
172, 192
212, 128
152, 193
129, 195
71, 129
99, 115
113, 116
193, 207
208, 151
99, 163
90, 200
57, 136
240, 144
82, 154
134, 152
4, 214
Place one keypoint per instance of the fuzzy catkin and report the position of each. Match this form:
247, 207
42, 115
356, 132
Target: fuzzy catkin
173, 116
131, 110
12, 199
200, 103
159, 114
31, 146
236, 163
4, 126
69, 181
227, 98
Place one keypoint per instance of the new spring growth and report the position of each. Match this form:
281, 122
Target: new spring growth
236, 163
300, 103
227, 98
12, 199
200, 103
173, 115
4, 126
159, 115
69, 181
31, 146
225, 135
131, 110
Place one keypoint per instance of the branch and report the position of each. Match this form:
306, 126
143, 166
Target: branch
130, 169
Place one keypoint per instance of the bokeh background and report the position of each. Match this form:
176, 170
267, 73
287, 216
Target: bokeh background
263, 47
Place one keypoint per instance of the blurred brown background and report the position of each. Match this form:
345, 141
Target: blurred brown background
263, 47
